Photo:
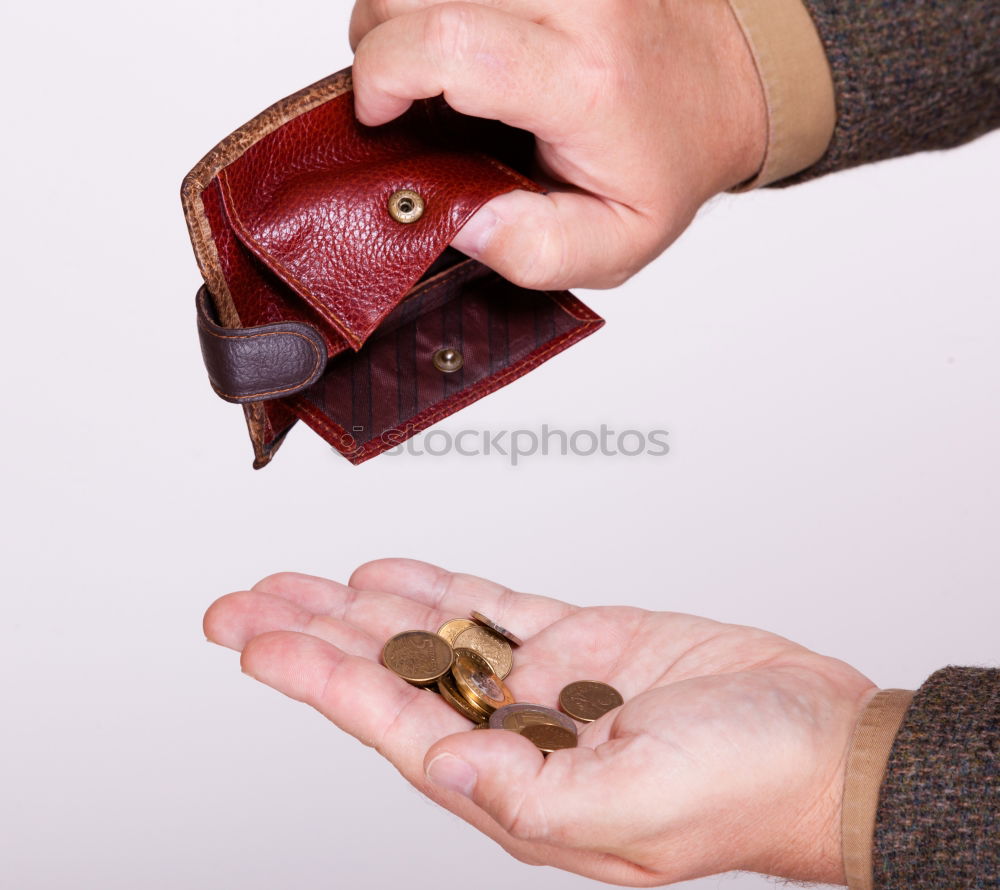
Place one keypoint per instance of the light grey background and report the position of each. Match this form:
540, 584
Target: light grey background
825, 359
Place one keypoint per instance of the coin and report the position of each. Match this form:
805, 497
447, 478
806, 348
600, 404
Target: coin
479, 686
453, 627
492, 625
418, 657
493, 647
548, 737
586, 700
517, 716
449, 692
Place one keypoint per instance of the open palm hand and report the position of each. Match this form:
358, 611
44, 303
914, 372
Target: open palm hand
728, 752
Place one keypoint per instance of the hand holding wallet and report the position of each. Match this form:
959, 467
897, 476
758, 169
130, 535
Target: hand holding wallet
331, 294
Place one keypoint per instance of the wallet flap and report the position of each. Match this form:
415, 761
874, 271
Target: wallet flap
311, 201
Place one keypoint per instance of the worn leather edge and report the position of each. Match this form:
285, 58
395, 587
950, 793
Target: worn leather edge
258, 363
227, 151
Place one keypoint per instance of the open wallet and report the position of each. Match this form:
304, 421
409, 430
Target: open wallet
331, 295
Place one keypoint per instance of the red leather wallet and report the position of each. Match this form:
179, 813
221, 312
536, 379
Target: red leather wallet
331, 295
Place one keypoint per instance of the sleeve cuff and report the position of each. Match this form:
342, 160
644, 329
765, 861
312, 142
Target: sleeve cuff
797, 83
866, 763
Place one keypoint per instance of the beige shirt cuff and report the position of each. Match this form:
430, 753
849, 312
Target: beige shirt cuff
866, 763
798, 87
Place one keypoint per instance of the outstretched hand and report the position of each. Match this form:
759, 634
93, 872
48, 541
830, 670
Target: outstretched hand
728, 753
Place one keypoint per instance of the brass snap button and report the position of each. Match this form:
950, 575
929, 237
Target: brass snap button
406, 206
448, 360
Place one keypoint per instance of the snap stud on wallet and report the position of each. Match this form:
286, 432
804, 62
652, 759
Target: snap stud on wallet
331, 295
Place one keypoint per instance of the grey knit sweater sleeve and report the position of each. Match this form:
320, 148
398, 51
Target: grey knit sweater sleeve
938, 821
908, 75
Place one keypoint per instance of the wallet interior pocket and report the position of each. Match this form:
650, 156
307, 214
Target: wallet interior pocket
373, 399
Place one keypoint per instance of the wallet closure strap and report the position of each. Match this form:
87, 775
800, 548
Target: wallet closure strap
258, 363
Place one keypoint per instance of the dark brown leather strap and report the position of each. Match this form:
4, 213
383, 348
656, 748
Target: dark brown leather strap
254, 364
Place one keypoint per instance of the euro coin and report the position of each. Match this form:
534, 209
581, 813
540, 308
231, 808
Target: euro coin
521, 714
586, 700
493, 647
480, 618
419, 657
479, 686
453, 627
548, 738
449, 692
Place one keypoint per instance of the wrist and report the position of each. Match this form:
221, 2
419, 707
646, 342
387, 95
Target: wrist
866, 764
829, 859
748, 107
794, 82
744, 114
805, 841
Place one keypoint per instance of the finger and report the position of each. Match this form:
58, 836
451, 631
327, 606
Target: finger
367, 14
557, 240
455, 595
237, 618
364, 699
563, 801
318, 595
378, 613
486, 62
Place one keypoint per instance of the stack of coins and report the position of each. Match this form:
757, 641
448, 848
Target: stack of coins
466, 662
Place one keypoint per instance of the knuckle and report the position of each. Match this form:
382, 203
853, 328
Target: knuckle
528, 281
635, 244
376, 10
449, 31
526, 821
602, 73
542, 255
615, 276
526, 854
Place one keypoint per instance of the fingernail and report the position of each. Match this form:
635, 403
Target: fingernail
474, 237
452, 774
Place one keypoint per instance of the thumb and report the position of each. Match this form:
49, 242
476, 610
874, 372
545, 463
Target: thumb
556, 240
532, 798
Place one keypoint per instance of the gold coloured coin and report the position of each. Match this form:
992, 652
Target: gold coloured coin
453, 627
548, 737
517, 716
419, 657
449, 692
477, 682
586, 700
480, 618
493, 647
